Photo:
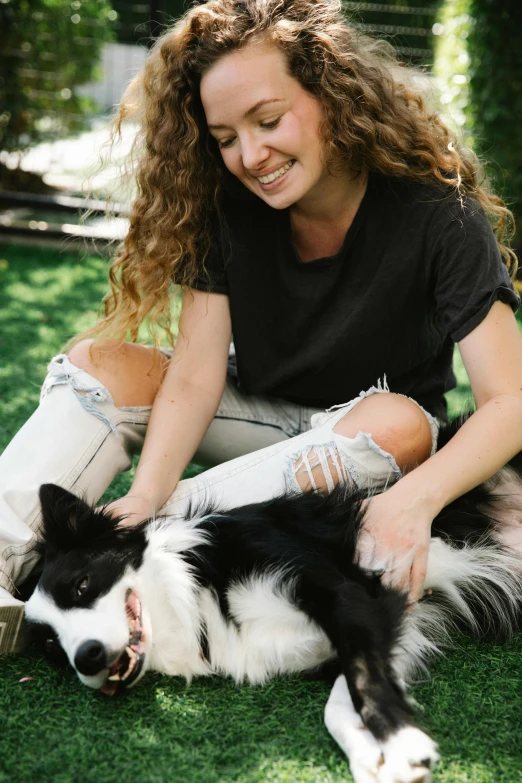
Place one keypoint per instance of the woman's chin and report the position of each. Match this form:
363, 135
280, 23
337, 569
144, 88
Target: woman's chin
280, 199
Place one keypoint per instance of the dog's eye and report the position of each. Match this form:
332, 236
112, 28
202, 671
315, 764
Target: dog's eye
50, 645
81, 587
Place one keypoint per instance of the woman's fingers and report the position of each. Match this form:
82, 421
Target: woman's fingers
418, 576
398, 573
131, 509
405, 572
366, 551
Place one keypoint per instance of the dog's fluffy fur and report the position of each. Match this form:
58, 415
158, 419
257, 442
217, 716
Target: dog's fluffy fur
273, 588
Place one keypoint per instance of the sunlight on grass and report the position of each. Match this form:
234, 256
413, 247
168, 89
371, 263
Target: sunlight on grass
459, 771
460, 399
289, 771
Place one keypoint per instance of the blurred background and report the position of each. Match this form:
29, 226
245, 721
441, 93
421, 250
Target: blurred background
64, 64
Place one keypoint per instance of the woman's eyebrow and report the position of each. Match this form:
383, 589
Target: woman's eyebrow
250, 111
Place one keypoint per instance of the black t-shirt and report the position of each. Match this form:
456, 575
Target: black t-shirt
419, 269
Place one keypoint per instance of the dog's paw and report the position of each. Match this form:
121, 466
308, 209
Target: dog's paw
345, 725
409, 757
365, 756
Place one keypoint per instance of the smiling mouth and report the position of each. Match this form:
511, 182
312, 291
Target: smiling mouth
275, 176
128, 666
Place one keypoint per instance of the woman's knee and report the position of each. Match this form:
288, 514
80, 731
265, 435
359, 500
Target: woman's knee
131, 372
397, 425
93, 354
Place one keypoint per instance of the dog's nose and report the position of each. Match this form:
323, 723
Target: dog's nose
90, 657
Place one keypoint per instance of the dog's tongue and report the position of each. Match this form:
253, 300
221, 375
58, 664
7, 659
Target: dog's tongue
110, 688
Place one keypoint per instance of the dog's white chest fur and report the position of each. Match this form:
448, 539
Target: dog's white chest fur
266, 634
263, 635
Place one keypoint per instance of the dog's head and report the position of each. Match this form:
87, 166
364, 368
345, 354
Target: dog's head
86, 607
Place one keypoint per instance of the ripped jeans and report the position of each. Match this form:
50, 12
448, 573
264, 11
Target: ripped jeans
260, 447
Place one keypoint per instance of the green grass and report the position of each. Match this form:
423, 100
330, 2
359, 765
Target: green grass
52, 729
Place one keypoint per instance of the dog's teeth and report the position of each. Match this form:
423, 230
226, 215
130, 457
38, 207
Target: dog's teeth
114, 677
132, 662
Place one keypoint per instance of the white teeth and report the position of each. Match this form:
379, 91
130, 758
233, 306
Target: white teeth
117, 676
275, 174
132, 662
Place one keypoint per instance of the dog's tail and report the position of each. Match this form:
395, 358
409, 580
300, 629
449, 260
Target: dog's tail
476, 587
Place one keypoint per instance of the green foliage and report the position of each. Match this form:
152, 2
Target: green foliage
495, 50
451, 67
47, 49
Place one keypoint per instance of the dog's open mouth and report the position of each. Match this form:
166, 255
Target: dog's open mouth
126, 669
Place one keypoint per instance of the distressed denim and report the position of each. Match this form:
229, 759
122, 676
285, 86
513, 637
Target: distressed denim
259, 447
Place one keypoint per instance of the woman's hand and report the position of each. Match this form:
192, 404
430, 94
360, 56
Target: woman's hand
133, 508
395, 538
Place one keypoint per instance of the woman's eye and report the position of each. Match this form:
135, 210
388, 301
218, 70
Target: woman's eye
225, 143
265, 125
272, 124
81, 587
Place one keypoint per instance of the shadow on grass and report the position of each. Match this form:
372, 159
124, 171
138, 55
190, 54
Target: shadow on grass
163, 730
472, 707
215, 731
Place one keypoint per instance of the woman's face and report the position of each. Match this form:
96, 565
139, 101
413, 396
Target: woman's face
266, 124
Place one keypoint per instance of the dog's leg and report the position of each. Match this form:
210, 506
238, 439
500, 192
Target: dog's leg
408, 753
365, 631
406, 757
350, 733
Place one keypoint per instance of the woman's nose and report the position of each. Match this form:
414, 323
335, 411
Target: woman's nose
253, 153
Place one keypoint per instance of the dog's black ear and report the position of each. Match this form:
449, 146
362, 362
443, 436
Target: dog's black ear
67, 519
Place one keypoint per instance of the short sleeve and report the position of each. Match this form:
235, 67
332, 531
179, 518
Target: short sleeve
213, 278
467, 271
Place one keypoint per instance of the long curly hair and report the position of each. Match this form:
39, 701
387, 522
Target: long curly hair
375, 119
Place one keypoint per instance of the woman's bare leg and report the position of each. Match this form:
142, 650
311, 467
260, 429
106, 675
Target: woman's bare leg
132, 373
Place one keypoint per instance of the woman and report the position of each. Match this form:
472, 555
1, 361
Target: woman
292, 181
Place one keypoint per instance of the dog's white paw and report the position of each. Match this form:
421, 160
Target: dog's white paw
344, 724
409, 757
365, 756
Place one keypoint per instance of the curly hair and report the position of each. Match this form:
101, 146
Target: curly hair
375, 119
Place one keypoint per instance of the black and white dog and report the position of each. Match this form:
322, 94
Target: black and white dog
273, 588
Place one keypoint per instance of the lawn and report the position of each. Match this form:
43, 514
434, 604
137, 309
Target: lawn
52, 729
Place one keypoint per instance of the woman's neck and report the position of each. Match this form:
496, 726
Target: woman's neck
330, 203
319, 226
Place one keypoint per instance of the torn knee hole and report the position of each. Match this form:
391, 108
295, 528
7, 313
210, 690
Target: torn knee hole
319, 469
97, 395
